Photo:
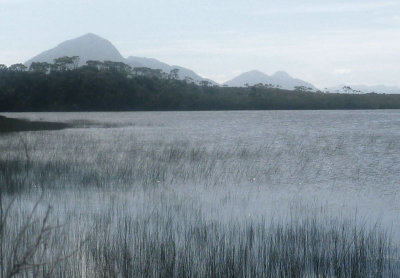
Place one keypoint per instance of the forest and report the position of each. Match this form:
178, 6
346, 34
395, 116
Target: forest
115, 86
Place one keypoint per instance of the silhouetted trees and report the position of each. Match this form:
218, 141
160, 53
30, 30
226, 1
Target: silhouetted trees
174, 74
115, 86
40, 67
17, 67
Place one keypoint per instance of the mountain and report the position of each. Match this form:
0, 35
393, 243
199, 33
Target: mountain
87, 47
93, 47
280, 78
148, 63
363, 89
251, 78
155, 64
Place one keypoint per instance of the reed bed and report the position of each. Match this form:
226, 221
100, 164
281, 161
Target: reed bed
171, 240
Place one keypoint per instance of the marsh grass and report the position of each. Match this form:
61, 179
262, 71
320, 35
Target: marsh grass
298, 249
86, 161
132, 165
170, 241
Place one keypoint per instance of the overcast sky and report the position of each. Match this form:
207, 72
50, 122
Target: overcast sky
324, 42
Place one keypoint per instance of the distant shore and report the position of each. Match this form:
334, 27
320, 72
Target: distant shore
13, 125
114, 88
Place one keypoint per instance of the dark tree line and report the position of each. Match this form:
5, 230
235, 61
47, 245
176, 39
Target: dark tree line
115, 86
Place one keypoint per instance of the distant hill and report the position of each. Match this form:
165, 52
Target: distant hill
93, 47
147, 62
280, 79
363, 89
87, 47
155, 64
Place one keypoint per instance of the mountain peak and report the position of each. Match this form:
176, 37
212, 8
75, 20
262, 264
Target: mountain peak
254, 71
254, 74
89, 37
281, 75
88, 47
93, 47
280, 79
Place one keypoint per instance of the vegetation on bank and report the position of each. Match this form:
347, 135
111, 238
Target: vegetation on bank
115, 243
114, 86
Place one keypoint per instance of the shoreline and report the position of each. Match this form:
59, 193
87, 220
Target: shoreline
15, 125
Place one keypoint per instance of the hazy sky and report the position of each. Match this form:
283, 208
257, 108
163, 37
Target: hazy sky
324, 42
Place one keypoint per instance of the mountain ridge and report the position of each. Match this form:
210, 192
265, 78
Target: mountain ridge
87, 47
156, 64
279, 79
93, 47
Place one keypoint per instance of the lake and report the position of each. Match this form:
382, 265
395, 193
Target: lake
178, 170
